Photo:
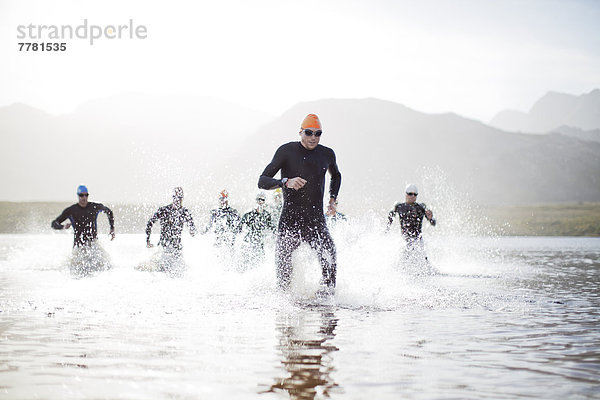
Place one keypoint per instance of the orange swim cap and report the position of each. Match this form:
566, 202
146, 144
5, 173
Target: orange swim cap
311, 121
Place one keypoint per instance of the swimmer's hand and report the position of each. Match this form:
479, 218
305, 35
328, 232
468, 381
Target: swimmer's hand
332, 207
148, 244
67, 225
112, 234
295, 183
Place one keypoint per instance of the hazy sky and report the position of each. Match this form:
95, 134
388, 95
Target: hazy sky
473, 57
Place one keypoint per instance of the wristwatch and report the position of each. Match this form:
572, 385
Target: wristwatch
283, 181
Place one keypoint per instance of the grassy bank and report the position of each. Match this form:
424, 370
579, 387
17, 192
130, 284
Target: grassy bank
575, 219
537, 220
35, 217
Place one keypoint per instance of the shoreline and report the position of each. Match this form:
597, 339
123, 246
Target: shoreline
541, 220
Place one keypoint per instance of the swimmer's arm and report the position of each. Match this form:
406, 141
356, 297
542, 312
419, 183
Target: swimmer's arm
429, 216
111, 220
191, 224
234, 222
336, 179
210, 223
240, 225
266, 180
151, 222
57, 223
390, 218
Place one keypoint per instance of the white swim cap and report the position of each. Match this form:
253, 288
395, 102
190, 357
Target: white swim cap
411, 188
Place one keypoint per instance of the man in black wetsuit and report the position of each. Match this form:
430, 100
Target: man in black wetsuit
256, 224
303, 166
88, 256
411, 216
223, 222
172, 218
83, 217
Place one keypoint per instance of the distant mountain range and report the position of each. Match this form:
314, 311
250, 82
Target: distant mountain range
131, 147
381, 146
553, 111
136, 148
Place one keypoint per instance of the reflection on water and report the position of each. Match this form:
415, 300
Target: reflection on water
307, 353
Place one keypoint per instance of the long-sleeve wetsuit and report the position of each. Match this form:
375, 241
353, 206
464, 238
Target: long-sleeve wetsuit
172, 220
411, 219
224, 223
84, 221
257, 224
302, 217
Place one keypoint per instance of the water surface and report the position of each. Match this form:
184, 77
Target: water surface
505, 318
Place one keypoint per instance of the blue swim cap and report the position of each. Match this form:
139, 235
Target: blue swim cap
82, 189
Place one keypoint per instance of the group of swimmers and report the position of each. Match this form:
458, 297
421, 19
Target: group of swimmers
303, 165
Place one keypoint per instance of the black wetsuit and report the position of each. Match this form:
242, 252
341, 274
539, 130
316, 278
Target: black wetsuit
257, 224
411, 219
302, 217
83, 220
172, 220
224, 222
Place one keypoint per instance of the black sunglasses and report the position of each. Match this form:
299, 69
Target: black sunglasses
310, 132
83, 194
412, 194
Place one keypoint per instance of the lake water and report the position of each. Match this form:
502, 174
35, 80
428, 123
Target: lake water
506, 318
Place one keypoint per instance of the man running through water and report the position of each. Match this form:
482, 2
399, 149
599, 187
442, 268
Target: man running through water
256, 224
223, 222
88, 256
411, 216
172, 219
303, 166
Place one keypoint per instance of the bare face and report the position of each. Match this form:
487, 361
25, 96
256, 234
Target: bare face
411, 198
83, 199
260, 204
177, 201
310, 142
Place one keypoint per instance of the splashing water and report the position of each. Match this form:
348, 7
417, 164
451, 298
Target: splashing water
526, 309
